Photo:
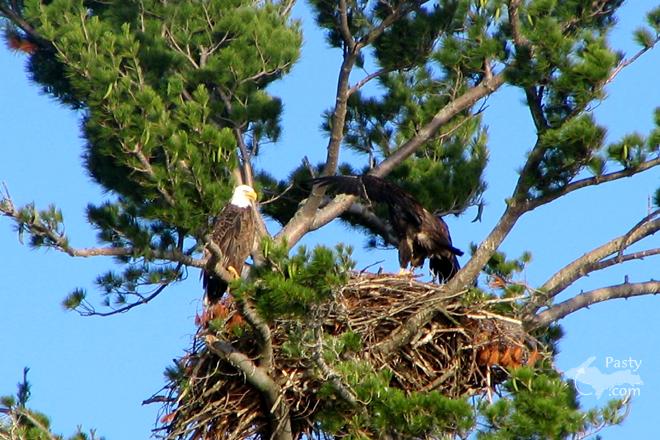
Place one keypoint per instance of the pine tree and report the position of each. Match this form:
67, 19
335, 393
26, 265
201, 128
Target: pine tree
17, 421
176, 107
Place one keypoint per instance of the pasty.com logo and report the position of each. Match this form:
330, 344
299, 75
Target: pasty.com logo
618, 378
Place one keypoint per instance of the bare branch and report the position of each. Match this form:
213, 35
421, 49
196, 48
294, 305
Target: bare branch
443, 116
126, 308
593, 260
305, 218
246, 158
299, 224
405, 332
260, 379
627, 257
628, 61
148, 169
375, 223
287, 9
639, 224
366, 79
251, 315
329, 374
565, 308
344, 28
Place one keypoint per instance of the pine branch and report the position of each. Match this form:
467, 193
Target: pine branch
59, 241
592, 181
287, 9
401, 9
340, 388
259, 378
89, 310
27, 414
584, 300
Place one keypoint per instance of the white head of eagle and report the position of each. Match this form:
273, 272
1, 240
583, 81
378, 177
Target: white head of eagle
243, 196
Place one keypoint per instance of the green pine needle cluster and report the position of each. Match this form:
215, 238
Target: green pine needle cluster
543, 405
17, 421
391, 410
288, 285
162, 109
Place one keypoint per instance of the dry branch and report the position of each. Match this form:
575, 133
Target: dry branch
565, 308
593, 260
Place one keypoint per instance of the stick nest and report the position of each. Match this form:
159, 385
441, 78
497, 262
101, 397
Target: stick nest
462, 351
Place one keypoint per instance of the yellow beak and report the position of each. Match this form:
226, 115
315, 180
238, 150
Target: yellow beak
252, 195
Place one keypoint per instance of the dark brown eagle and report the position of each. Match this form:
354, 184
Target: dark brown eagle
233, 232
421, 234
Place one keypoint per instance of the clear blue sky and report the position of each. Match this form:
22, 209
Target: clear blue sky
96, 371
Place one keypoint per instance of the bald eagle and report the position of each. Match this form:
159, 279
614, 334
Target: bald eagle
421, 234
233, 232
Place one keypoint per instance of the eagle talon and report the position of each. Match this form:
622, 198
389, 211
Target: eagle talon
406, 272
234, 273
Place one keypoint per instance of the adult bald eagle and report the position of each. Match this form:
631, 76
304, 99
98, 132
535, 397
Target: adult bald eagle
233, 233
421, 234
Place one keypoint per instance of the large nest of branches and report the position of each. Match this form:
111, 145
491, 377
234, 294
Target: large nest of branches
462, 351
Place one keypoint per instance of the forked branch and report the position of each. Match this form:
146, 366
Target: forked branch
595, 259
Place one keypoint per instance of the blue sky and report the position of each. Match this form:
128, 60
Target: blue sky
97, 371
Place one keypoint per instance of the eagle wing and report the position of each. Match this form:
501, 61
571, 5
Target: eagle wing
402, 204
